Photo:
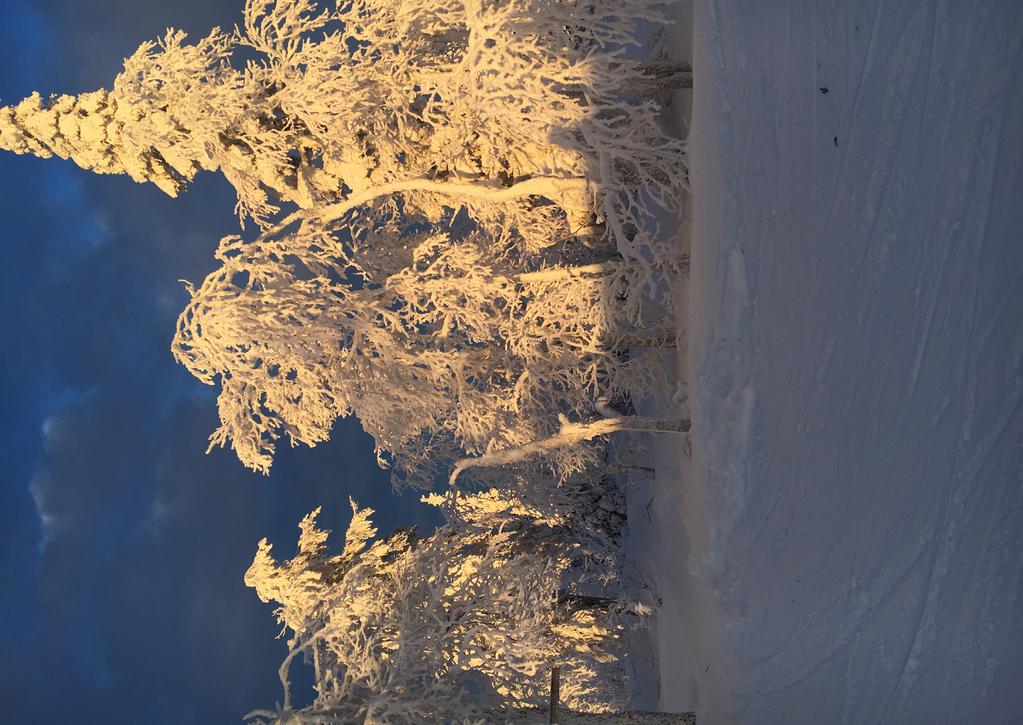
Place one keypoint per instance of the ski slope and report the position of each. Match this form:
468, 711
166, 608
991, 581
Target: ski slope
852, 503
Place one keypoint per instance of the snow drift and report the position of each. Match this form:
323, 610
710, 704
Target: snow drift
853, 502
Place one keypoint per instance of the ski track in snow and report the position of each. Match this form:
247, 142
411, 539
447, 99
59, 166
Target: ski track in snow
852, 549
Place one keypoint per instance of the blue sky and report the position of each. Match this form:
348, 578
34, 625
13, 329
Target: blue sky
123, 544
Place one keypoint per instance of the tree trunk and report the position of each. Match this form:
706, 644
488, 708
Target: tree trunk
557, 274
566, 192
632, 340
667, 75
569, 193
632, 717
555, 695
626, 469
567, 717
570, 434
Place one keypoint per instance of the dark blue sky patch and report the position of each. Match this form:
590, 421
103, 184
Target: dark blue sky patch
123, 544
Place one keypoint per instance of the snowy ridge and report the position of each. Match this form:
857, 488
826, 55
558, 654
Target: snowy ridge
724, 401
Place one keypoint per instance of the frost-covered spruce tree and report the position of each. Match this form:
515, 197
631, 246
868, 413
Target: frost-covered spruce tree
175, 110
452, 627
373, 93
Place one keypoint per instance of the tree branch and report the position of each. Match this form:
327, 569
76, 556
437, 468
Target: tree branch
557, 189
555, 274
570, 434
553, 188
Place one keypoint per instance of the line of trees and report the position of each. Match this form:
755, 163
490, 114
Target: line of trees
457, 205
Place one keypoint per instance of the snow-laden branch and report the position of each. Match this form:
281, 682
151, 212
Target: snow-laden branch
557, 274
568, 435
571, 194
563, 191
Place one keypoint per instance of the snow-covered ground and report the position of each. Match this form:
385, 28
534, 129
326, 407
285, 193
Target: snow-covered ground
844, 542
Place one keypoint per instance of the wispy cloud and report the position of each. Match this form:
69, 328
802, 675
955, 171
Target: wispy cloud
49, 521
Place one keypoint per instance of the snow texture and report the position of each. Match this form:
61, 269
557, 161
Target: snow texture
852, 548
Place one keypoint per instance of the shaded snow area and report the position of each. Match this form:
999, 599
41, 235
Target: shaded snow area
844, 542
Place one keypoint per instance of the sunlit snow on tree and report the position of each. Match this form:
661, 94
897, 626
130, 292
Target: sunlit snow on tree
454, 625
484, 172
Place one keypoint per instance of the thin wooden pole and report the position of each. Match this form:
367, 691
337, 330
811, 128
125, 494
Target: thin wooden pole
555, 693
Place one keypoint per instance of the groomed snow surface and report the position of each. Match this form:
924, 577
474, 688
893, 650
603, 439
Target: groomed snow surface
844, 541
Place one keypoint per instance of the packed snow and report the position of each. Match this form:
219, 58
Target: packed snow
841, 541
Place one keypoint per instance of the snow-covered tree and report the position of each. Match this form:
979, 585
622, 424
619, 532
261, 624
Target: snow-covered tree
522, 134
176, 109
377, 92
455, 354
451, 626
